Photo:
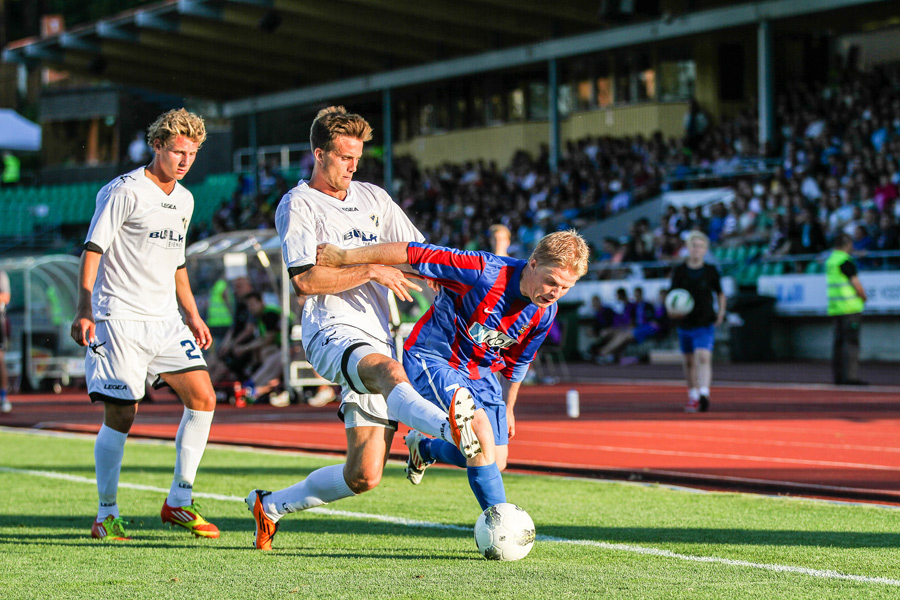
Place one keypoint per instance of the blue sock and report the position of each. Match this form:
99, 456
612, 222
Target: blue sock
2, 394
487, 483
442, 451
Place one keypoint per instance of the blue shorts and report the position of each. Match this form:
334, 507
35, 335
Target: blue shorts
647, 330
437, 381
698, 338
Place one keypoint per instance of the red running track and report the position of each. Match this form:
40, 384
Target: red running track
813, 441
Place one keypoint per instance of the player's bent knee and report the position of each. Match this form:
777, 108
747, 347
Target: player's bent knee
119, 417
363, 480
203, 401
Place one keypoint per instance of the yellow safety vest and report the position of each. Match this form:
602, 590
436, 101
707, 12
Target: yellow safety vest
11, 169
217, 311
842, 297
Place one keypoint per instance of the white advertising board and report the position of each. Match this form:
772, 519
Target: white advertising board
807, 294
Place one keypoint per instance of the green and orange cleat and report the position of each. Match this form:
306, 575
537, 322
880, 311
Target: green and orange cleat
110, 529
189, 517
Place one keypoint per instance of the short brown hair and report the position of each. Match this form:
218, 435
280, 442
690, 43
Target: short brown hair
173, 123
334, 121
563, 249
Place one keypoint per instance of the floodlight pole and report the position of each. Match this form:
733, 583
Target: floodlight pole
388, 147
254, 152
553, 112
764, 83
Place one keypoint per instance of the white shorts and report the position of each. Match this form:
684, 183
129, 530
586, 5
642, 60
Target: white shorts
124, 353
326, 352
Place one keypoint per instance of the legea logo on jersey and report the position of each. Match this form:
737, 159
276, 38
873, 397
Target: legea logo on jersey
167, 238
490, 337
365, 237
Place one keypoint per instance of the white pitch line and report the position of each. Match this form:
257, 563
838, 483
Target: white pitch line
820, 573
613, 432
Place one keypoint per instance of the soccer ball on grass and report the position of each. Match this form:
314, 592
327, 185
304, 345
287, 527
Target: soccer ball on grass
504, 532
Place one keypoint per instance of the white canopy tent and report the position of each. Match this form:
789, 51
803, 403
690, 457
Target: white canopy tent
18, 133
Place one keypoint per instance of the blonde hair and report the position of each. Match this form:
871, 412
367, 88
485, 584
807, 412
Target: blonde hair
565, 249
334, 121
499, 227
173, 123
696, 235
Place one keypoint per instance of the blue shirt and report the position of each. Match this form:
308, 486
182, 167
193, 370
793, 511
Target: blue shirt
480, 322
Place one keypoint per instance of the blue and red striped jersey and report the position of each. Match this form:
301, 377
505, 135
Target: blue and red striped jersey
480, 322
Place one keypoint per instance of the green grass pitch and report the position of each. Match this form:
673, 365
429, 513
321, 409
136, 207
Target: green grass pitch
595, 539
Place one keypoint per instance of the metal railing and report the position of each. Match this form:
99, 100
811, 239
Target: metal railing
286, 156
713, 173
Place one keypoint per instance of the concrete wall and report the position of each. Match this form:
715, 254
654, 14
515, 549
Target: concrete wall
501, 142
488, 143
810, 338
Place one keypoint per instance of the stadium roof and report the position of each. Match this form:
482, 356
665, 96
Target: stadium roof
223, 50
257, 55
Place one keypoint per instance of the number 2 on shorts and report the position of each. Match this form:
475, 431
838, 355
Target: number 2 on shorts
191, 349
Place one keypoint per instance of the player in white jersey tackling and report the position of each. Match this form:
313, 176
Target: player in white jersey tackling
132, 281
345, 322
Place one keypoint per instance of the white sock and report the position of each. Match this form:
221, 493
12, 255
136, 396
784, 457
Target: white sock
407, 406
109, 448
694, 394
704, 391
190, 442
321, 487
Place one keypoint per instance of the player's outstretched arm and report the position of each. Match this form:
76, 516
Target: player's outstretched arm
320, 279
188, 306
391, 253
83, 325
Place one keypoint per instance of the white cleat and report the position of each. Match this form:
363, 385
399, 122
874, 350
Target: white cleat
415, 465
462, 414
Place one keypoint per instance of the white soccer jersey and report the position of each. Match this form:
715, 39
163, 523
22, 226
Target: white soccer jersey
306, 217
141, 231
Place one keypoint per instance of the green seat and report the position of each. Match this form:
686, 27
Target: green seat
749, 274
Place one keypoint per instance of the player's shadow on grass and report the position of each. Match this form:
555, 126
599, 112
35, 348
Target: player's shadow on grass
732, 536
149, 531
237, 533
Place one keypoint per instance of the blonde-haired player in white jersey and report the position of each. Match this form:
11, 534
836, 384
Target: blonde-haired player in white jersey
345, 325
132, 282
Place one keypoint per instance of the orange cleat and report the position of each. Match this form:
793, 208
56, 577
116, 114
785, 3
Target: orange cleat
266, 528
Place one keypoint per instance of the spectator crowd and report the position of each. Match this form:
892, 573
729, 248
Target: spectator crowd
834, 166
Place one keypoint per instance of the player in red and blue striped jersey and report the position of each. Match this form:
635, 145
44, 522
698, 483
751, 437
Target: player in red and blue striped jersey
491, 316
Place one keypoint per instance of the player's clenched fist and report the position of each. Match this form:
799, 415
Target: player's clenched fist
329, 255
